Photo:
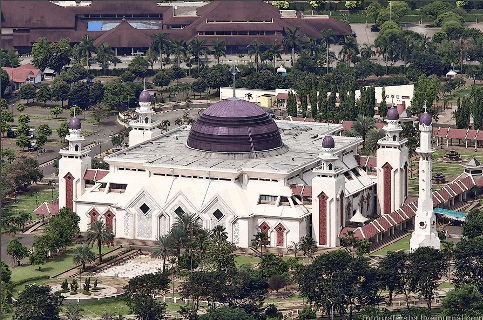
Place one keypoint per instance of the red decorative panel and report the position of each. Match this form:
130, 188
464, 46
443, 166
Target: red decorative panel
264, 227
322, 218
387, 187
109, 219
69, 190
406, 180
341, 208
280, 229
94, 215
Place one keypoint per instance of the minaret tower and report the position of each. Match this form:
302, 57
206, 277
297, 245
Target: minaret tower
143, 128
425, 234
72, 166
392, 166
328, 197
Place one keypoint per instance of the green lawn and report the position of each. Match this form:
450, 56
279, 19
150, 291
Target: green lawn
446, 285
111, 305
50, 268
402, 244
30, 200
241, 260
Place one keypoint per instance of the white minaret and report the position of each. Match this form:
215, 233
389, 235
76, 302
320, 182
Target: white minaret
392, 166
72, 166
143, 128
328, 197
425, 234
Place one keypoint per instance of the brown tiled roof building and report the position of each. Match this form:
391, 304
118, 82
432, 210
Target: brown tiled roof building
238, 23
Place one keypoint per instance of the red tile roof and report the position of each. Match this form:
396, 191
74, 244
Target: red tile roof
22, 73
48, 209
36, 14
442, 132
282, 96
457, 133
479, 136
346, 125
471, 134
95, 174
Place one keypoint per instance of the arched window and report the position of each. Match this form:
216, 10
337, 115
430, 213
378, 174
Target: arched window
330, 166
394, 138
76, 148
146, 120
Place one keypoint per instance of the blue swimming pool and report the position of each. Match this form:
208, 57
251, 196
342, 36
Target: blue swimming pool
451, 213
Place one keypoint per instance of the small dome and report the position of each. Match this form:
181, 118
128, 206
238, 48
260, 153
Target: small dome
328, 142
145, 96
425, 119
74, 124
234, 126
392, 114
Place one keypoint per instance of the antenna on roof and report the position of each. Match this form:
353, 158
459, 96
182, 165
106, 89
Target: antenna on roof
234, 71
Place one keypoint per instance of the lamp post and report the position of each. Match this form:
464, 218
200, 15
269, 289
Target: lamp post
331, 317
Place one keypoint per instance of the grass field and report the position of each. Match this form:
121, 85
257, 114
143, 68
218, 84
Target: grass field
402, 244
30, 200
241, 260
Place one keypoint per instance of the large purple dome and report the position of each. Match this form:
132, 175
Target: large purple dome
145, 96
425, 119
392, 114
328, 142
234, 126
74, 124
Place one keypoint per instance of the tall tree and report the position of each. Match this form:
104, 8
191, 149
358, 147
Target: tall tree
100, 234
196, 48
349, 49
38, 302
106, 55
86, 47
256, 48
219, 49
40, 53
362, 126
161, 44
292, 39
59, 54
83, 255
179, 49
17, 250
60, 90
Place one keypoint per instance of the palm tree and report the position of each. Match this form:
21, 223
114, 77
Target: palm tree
366, 51
292, 39
349, 49
260, 240
256, 48
219, 232
105, 54
164, 249
362, 126
161, 44
179, 49
219, 49
86, 47
274, 51
99, 233
188, 224
82, 255
196, 48
327, 38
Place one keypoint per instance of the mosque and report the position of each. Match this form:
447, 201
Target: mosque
238, 168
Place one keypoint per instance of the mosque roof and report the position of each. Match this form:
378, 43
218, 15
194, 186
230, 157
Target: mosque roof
234, 126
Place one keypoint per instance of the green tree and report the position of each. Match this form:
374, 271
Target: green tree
393, 270
27, 91
60, 90
196, 48
56, 111
20, 107
86, 47
118, 94
462, 113
139, 66
372, 10
22, 141
161, 44
426, 91
44, 129
349, 50
473, 226
226, 313
219, 251
162, 78
106, 55
427, 266
260, 240
40, 140
59, 54
373, 137
44, 94
9, 58
340, 282
468, 257
292, 39
40, 53
4, 82
256, 48
96, 93
37, 302
23, 119
82, 255
140, 295
463, 301
308, 246
291, 104
219, 49
63, 130
100, 111
79, 94
362, 126
100, 234
17, 250
383, 105
272, 265
75, 110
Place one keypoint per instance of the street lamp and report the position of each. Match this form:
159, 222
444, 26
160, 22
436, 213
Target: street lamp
331, 317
